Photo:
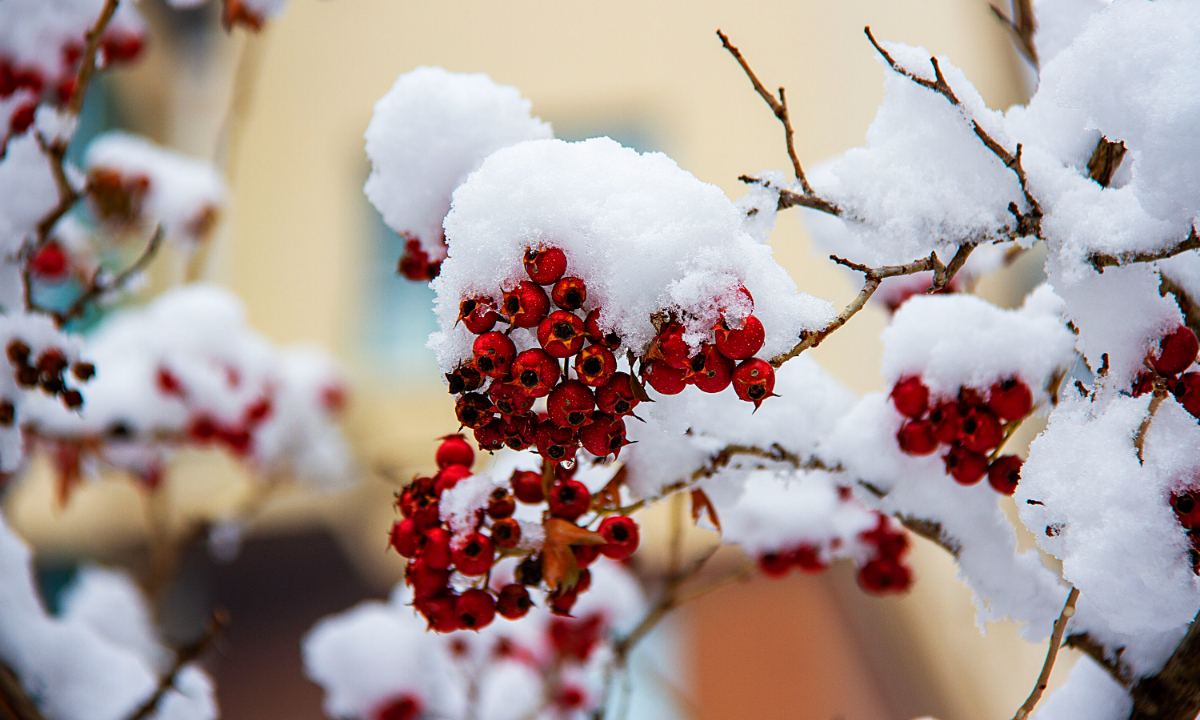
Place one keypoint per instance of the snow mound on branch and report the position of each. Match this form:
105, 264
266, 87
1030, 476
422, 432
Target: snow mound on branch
1107, 516
924, 181
1058, 22
183, 194
428, 133
1089, 693
645, 235
954, 341
34, 33
97, 661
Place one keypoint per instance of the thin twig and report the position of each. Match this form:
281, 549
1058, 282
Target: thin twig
97, 288
1160, 394
183, 655
1099, 260
1023, 26
1060, 625
87, 65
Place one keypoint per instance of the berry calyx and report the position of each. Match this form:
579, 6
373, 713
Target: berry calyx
884, 575
545, 266
1004, 474
478, 315
513, 601
1176, 351
743, 342
535, 372
473, 410
494, 353
561, 334
571, 404
464, 379
595, 365
569, 293
616, 397
1010, 399
569, 499
621, 532
525, 305
454, 450
475, 608
910, 396
916, 438
753, 380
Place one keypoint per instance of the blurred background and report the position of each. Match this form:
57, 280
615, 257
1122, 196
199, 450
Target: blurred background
283, 114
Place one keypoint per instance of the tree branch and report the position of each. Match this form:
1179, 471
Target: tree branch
1172, 693
183, 655
1099, 261
1023, 27
1160, 394
87, 65
98, 287
1060, 625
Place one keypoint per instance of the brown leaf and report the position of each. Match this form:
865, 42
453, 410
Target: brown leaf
609, 497
559, 567
702, 504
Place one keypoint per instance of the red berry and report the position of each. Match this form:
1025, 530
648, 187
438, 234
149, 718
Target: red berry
520, 431
1187, 392
916, 438
510, 400
440, 610
743, 342
664, 378
414, 263
404, 538
405, 707
478, 315
571, 404
622, 535
591, 326
889, 542
492, 436
454, 450
474, 556
965, 466
569, 293
569, 499
754, 380
774, 564
424, 580
473, 410
616, 396
494, 354
1176, 351
671, 346
525, 305
476, 609
435, 553
527, 486
808, 559
910, 396
501, 504
22, 119
585, 554
561, 334
945, 420
1010, 399
545, 266
464, 379
506, 533
121, 46
49, 262
535, 372
448, 477
883, 575
1004, 474
709, 370
981, 431
1186, 509
603, 436
595, 365
514, 601
1143, 383
555, 443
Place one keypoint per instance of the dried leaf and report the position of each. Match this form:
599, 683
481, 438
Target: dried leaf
609, 497
702, 504
559, 567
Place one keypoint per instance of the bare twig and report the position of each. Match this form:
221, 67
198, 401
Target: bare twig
1160, 394
790, 198
1029, 223
1023, 26
1060, 625
183, 655
1105, 160
1099, 261
87, 65
1096, 650
98, 287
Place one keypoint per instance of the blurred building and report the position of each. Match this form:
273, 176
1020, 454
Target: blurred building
284, 113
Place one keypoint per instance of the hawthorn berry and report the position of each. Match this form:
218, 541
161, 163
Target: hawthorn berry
525, 305
884, 575
664, 378
506, 532
83, 371
916, 438
1187, 392
556, 443
743, 342
545, 266
527, 486
564, 598
440, 611
595, 365
454, 450
478, 314
591, 326
464, 379
753, 380
672, 348
965, 466
510, 400
494, 353
435, 553
491, 436
604, 435
49, 262
473, 410
1176, 351
476, 609
1004, 473
910, 396
981, 430
945, 420
535, 372
1143, 383
513, 601
529, 571
616, 397
1186, 509
808, 559
621, 532
585, 554
710, 370
889, 542
405, 707
501, 504
561, 334
404, 538
569, 499
520, 431
474, 556
570, 404
414, 264
774, 564
569, 293
1010, 399
448, 477
424, 580
74, 399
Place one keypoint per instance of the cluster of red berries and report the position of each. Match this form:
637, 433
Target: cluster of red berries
1175, 352
970, 426
670, 365
434, 553
587, 410
118, 47
45, 371
883, 572
203, 428
415, 263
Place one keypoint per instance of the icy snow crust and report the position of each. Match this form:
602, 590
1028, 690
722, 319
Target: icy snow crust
645, 235
428, 133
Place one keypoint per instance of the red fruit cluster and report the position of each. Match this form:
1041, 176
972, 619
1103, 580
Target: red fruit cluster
727, 359
46, 371
587, 410
1186, 505
203, 428
415, 263
50, 262
806, 557
969, 427
885, 571
1175, 353
403, 707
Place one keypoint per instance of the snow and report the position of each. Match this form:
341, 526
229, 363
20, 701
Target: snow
428, 133
1089, 693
